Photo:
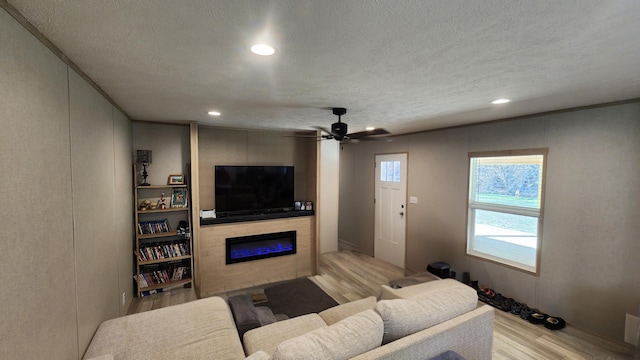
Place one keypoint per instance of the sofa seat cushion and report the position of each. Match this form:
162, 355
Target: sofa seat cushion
334, 314
403, 317
268, 337
199, 329
347, 338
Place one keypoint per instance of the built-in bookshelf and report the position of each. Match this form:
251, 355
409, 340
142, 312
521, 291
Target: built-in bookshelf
163, 246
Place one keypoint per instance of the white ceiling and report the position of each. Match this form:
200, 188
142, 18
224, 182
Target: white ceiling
404, 65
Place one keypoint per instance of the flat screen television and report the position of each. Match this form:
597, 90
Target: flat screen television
253, 189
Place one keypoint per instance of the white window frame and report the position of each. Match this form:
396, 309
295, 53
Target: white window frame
473, 205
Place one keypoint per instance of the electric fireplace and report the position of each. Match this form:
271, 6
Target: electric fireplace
254, 247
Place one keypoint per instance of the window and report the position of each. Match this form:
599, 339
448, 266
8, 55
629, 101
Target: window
506, 196
390, 171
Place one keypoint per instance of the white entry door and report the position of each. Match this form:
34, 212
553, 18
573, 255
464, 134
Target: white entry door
390, 208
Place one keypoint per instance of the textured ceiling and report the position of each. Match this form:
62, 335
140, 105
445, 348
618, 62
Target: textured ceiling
405, 65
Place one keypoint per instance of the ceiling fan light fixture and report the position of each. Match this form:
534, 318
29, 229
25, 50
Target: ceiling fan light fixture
263, 49
339, 130
370, 128
214, 113
500, 101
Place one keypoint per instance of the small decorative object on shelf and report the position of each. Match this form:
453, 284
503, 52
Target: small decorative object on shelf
161, 204
143, 157
179, 198
146, 205
175, 179
303, 205
183, 229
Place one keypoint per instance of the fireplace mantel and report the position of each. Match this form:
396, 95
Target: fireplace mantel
255, 217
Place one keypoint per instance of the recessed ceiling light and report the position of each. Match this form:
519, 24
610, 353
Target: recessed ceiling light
214, 113
369, 128
263, 49
500, 101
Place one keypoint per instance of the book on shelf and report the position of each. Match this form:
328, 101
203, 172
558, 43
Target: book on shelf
158, 251
150, 292
155, 274
153, 227
142, 282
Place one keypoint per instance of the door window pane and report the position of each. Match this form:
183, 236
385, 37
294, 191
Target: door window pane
390, 171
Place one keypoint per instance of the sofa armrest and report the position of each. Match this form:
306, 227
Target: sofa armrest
340, 312
470, 335
388, 293
196, 329
268, 337
414, 291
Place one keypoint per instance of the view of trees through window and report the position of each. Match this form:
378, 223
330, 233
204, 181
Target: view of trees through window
509, 180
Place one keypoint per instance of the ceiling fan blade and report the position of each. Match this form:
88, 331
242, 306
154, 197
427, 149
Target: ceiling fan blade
377, 138
364, 134
324, 129
301, 136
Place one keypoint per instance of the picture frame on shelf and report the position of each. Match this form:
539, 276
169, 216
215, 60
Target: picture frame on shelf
179, 198
175, 179
303, 205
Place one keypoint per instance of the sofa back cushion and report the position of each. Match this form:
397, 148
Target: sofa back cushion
268, 337
345, 339
403, 317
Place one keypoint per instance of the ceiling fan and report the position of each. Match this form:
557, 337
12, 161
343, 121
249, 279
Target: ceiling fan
339, 130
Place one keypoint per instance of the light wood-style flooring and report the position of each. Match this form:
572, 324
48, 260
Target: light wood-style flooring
349, 275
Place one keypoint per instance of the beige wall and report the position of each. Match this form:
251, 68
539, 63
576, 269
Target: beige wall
122, 134
218, 146
169, 145
590, 264
92, 168
64, 262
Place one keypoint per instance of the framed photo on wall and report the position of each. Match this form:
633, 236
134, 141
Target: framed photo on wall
179, 198
176, 179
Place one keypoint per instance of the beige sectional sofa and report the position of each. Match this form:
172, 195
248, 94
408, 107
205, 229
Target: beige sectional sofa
415, 322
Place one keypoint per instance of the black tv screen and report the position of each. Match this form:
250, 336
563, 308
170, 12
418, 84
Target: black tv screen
247, 189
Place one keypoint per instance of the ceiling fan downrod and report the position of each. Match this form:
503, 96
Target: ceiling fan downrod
339, 112
339, 129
